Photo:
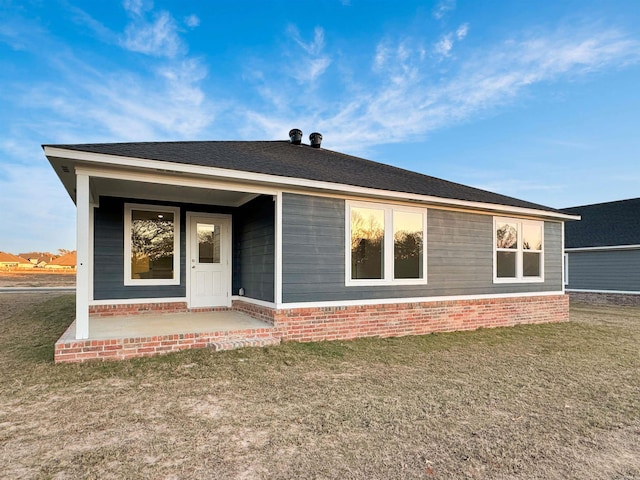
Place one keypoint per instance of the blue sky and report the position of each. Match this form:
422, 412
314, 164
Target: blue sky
537, 100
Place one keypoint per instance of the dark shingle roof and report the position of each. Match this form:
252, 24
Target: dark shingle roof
301, 161
604, 224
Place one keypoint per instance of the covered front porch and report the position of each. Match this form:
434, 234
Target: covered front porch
192, 237
127, 336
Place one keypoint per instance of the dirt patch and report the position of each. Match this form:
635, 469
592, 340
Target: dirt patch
530, 402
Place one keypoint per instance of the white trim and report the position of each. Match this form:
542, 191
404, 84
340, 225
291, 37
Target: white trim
92, 240
83, 222
277, 267
168, 179
565, 263
611, 247
128, 208
229, 258
519, 251
134, 301
254, 301
172, 167
388, 265
386, 301
618, 292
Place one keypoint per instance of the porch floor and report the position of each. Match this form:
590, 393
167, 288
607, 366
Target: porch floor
151, 325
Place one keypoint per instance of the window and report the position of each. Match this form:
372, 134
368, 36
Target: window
385, 244
518, 250
152, 245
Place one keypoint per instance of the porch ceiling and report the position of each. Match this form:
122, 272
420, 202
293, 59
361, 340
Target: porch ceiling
168, 193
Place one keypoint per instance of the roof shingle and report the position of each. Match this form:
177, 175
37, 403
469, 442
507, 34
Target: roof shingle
284, 159
604, 224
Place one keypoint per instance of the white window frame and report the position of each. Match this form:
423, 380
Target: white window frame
519, 251
389, 264
566, 268
128, 281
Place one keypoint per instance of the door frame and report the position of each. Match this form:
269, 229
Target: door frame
229, 239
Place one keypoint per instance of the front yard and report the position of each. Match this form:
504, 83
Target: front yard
547, 401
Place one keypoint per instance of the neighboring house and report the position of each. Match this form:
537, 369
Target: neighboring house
603, 252
320, 244
64, 262
39, 259
10, 261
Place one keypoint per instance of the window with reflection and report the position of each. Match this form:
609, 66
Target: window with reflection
386, 244
518, 249
408, 228
367, 243
208, 243
151, 242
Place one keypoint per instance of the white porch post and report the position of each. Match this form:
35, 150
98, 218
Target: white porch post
278, 252
82, 248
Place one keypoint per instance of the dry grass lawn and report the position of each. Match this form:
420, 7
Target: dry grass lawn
37, 277
546, 401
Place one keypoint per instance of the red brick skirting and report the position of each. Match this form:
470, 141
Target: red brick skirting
125, 348
142, 308
601, 298
399, 319
321, 323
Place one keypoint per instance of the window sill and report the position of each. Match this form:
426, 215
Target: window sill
386, 283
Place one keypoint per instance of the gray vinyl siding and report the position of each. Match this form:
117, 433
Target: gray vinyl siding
108, 252
254, 247
605, 270
459, 255
108, 257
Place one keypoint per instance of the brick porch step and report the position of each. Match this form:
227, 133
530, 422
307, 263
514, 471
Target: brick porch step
245, 342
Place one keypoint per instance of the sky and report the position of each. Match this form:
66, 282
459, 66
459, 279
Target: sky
539, 100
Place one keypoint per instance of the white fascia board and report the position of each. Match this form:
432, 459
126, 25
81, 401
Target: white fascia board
595, 249
167, 179
275, 180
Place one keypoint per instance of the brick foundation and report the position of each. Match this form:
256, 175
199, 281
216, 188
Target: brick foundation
125, 348
320, 323
615, 299
142, 308
400, 319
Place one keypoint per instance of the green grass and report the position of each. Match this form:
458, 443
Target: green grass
542, 401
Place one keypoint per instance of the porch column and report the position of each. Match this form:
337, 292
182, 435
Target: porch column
82, 251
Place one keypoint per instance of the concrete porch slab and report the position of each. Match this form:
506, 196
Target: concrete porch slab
149, 325
123, 337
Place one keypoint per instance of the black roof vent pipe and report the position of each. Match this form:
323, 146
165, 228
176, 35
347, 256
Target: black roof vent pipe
316, 139
295, 136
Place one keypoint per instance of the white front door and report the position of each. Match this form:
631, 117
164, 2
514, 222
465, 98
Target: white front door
209, 260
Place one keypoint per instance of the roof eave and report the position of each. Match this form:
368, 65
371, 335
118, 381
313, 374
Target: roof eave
51, 151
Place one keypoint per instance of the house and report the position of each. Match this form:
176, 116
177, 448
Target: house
9, 261
39, 259
603, 253
64, 262
314, 243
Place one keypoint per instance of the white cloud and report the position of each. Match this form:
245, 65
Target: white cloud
192, 21
158, 38
444, 45
443, 7
462, 31
313, 64
410, 98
